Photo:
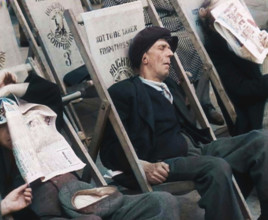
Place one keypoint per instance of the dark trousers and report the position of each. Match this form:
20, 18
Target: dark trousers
211, 167
147, 206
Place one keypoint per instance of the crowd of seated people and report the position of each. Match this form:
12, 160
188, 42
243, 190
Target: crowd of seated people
168, 143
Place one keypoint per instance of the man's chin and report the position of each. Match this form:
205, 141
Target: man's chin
167, 74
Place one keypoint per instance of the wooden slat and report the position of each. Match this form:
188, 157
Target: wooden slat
83, 153
104, 95
208, 66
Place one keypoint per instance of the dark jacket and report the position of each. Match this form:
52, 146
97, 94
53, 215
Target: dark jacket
135, 110
243, 82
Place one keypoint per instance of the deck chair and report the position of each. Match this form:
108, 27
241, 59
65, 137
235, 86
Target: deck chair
11, 61
187, 12
60, 51
107, 109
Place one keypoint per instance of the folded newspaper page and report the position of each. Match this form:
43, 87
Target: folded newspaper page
39, 149
234, 22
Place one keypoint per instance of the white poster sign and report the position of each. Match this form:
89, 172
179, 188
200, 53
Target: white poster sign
55, 33
109, 33
9, 50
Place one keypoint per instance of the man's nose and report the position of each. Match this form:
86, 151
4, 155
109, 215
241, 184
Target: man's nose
170, 52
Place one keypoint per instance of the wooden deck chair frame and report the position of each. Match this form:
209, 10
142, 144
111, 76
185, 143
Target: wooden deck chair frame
35, 52
209, 69
107, 110
76, 143
87, 5
52, 76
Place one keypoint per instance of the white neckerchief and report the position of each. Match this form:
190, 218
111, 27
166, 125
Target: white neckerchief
159, 86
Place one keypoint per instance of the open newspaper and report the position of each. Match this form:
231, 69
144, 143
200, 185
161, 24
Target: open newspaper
234, 22
39, 149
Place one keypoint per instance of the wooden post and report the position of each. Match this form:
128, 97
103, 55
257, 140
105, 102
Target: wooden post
209, 67
104, 95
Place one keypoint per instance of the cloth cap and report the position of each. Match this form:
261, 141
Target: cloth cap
143, 41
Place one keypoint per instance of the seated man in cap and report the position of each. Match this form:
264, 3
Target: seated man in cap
169, 146
188, 56
52, 199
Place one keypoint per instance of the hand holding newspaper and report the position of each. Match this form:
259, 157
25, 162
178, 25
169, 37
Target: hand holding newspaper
39, 149
234, 22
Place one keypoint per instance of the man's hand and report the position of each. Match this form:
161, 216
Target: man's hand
156, 173
264, 38
7, 78
16, 200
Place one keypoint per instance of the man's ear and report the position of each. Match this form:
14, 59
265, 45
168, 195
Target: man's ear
144, 59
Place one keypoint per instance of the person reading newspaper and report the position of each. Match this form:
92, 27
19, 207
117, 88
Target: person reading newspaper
236, 47
33, 89
169, 145
57, 196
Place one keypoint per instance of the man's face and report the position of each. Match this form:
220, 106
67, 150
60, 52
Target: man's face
157, 60
5, 139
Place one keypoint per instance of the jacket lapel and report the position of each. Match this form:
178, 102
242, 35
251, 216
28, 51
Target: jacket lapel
179, 100
145, 108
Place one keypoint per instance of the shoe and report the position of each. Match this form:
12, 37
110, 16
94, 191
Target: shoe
213, 116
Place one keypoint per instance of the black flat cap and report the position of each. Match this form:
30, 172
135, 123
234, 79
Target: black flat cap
143, 41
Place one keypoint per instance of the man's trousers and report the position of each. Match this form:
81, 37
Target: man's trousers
148, 206
211, 167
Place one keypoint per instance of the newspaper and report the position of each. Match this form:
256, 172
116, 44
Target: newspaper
234, 22
39, 149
